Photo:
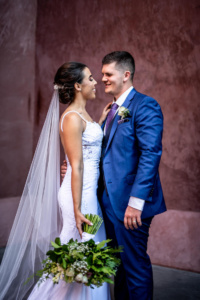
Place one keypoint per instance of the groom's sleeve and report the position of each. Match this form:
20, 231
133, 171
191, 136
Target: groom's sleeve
136, 203
149, 128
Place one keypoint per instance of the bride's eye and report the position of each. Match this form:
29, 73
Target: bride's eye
91, 78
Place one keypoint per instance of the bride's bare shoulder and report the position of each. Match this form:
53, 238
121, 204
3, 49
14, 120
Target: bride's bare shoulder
70, 119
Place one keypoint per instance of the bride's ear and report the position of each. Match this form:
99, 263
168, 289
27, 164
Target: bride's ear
77, 87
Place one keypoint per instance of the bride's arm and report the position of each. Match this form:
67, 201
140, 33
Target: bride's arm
73, 127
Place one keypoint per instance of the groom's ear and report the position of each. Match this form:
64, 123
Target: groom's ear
127, 76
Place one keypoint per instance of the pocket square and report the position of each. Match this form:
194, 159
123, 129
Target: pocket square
123, 121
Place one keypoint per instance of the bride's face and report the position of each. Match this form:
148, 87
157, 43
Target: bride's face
88, 89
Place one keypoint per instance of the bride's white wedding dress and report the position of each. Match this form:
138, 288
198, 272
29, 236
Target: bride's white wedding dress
91, 147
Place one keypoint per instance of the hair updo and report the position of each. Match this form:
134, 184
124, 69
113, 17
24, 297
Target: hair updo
66, 76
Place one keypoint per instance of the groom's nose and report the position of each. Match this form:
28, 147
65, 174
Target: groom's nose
104, 79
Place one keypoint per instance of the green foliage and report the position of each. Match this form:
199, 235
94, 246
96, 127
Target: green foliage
86, 262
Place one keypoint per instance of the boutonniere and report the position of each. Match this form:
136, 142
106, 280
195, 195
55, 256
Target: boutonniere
123, 112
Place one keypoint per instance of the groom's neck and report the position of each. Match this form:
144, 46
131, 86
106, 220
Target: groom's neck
125, 88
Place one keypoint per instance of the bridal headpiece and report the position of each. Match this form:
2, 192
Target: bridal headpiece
57, 87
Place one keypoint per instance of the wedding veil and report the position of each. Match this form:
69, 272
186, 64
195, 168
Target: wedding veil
38, 220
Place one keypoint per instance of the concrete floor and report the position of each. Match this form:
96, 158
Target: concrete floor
171, 284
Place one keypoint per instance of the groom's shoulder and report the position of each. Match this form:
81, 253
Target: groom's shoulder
143, 98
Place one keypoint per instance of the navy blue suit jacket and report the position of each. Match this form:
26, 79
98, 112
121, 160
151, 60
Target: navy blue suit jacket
132, 155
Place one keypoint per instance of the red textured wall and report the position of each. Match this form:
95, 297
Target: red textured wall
163, 37
17, 92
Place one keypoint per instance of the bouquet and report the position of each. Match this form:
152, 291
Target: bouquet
84, 262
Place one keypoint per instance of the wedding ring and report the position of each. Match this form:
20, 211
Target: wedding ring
134, 221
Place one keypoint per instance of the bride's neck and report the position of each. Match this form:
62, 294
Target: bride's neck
78, 104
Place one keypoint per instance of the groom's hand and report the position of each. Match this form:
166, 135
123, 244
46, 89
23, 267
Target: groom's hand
132, 218
63, 169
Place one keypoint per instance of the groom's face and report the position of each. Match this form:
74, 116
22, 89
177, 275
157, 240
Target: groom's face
113, 79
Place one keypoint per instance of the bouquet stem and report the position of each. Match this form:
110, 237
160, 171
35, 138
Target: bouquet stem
95, 220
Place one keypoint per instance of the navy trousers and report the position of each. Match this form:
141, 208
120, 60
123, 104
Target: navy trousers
134, 280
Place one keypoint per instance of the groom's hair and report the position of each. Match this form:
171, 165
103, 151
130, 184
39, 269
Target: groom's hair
123, 60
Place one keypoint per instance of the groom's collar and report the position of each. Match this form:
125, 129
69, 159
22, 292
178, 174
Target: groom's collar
122, 98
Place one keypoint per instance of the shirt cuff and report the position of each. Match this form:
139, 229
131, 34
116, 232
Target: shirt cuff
136, 203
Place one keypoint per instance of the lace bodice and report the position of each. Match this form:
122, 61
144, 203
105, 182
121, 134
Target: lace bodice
91, 141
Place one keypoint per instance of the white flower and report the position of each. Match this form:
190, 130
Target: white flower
80, 266
123, 112
79, 277
85, 279
54, 270
60, 269
56, 278
70, 272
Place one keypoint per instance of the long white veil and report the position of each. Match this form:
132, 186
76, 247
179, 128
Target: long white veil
38, 220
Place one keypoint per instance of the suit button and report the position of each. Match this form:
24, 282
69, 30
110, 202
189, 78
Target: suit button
151, 192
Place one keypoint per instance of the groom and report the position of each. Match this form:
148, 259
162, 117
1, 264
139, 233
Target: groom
129, 187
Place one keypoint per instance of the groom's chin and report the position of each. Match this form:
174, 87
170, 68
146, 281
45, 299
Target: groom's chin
108, 91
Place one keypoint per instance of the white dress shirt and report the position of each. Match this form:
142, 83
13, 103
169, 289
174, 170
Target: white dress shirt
133, 201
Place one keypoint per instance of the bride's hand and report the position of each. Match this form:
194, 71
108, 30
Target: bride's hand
80, 219
105, 113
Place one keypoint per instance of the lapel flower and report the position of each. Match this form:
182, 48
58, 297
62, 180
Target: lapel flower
123, 112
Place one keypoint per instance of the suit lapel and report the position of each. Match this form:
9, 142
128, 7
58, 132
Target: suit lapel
104, 122
126, 104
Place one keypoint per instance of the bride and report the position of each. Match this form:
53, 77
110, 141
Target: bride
38, 219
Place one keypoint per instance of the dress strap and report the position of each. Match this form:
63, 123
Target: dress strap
74, 111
